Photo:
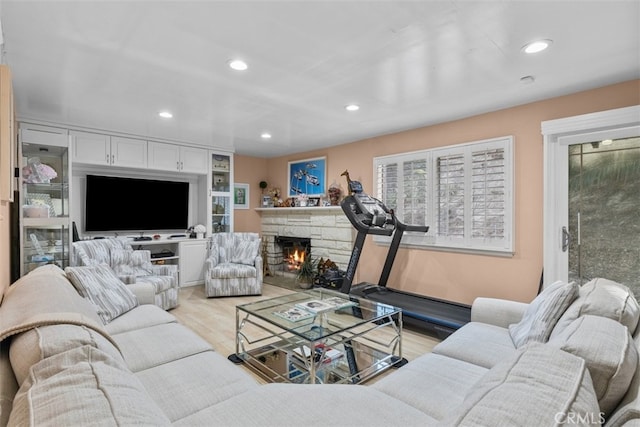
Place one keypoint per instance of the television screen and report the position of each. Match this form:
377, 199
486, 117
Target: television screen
132, 204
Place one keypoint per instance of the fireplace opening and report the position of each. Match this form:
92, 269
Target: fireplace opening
294, 251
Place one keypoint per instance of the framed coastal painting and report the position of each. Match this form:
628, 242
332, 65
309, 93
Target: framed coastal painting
241, 196
308, 176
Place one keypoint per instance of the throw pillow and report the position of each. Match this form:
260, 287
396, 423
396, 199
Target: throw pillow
127, 262
101, 286
606, 298
609, 351
245, 252
543, 314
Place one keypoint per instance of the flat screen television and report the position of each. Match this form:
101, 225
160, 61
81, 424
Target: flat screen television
134, 204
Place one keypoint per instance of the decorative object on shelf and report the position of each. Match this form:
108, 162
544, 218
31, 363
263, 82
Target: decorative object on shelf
307, 176
220, 163
353, 186
275, 194
200, 230
38, 199
307, 271
267, 201
288, 202
314, 201
36, 172
241, 196
303, 200
335, 193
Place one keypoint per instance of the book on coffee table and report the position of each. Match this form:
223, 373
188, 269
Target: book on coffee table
315, 306
294, 314
338, 302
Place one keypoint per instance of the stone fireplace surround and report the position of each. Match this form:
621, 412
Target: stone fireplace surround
331, 233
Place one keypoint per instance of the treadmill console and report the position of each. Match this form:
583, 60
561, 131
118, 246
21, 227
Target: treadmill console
368, 214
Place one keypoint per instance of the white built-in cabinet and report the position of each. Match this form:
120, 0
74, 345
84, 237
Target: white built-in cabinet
105, 150
171, 157
211, 171
193, 254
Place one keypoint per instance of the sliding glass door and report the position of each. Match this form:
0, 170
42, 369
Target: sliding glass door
592, 197
604, 211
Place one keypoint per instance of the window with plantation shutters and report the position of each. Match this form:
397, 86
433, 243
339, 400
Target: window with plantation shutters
462, 192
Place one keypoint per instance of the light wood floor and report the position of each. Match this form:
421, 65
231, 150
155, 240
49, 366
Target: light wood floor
214, 320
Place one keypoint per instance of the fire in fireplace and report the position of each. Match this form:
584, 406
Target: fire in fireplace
294, 251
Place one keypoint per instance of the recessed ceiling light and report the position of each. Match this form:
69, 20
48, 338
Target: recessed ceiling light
352, 107
165, 114
265, 135
536, 46
607, 142
238, 65
527, 80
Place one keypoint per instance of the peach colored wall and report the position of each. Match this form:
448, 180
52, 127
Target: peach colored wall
249, 170
455, 276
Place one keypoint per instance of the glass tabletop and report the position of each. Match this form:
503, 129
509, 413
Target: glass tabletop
318, 313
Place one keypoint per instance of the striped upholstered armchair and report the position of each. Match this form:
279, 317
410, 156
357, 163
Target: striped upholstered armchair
152, 284
234, 265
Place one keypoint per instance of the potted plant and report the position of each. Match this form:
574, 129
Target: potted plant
307, 271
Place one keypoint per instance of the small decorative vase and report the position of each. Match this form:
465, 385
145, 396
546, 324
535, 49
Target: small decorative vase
200, 235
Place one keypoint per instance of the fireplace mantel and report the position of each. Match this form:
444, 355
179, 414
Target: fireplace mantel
330, 231
324, 209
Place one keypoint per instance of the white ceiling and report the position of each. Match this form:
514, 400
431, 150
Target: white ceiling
112, 65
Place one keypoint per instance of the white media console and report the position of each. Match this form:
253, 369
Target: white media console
188, 254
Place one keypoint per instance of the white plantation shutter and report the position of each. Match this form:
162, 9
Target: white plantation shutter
401, 184
414, 195
488, 197
463, 192
451, 190
387, 183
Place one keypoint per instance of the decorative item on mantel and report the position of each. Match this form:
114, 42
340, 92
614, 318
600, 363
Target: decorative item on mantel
274, 192
303, 200
353, 186
335, 193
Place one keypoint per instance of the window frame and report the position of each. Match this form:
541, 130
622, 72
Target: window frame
432, 240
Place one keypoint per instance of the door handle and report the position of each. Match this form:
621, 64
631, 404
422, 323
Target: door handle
566, 239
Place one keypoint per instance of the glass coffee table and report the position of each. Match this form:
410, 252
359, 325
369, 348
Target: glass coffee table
318, 336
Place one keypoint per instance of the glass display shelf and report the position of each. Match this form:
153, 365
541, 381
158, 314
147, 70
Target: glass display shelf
45, 243
45, 189
221, 213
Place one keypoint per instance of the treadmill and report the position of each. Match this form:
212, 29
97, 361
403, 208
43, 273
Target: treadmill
370, 216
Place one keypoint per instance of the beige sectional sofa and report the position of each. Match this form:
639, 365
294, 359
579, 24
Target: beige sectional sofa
61, 365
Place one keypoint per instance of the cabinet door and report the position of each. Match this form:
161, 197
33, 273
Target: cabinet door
164, 156
193, 160
128, 152
91, 148
191, 264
